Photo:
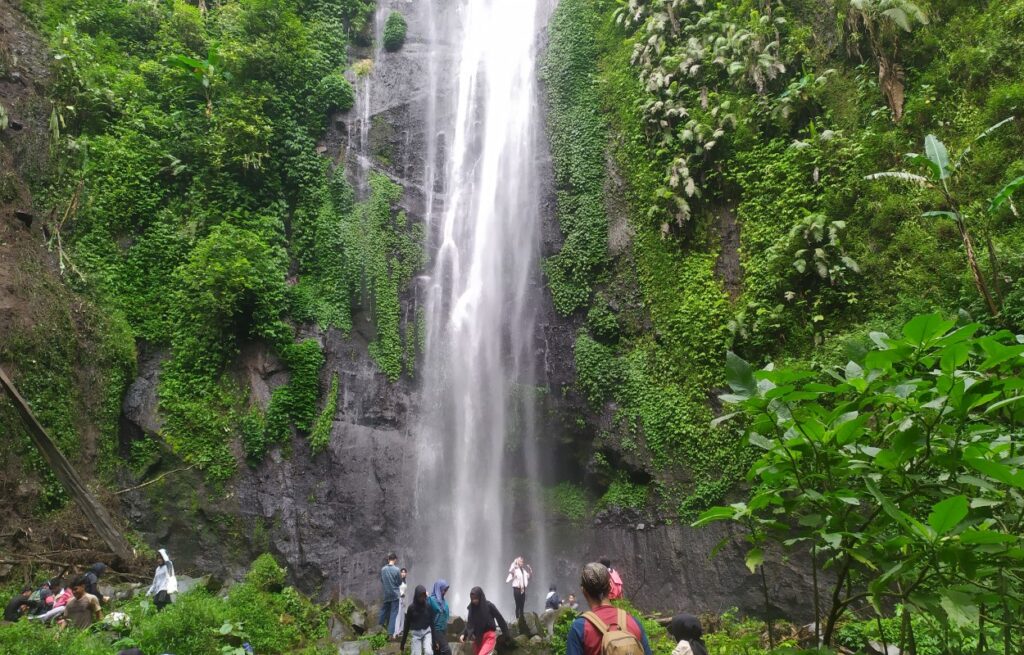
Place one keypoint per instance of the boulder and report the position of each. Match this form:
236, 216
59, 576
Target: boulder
339, 630
357, 619
877, 648
456, 626
537, 639
355, 648
534, 626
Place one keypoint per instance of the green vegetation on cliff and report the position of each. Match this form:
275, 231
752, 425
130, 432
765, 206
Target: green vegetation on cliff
742, 136
195, 205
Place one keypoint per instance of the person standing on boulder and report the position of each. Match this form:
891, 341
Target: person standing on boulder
439, 606
519, 573
480, 623
419, 618
403, 574
390, 581
616, 580
164, 581
604, 621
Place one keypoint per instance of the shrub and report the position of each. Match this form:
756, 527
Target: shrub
334, 93
265, 574
189, 625
394, 32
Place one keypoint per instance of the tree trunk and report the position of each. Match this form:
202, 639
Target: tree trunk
972, 260
67, 475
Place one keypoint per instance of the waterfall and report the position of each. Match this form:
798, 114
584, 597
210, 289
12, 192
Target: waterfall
478, 493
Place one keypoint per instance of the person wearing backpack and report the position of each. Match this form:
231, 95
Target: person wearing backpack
605, 629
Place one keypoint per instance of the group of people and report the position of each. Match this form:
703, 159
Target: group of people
78, 602
602, 630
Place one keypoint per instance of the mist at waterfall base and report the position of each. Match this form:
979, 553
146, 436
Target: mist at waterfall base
478, 501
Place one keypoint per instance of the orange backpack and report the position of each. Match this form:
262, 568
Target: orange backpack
619, 641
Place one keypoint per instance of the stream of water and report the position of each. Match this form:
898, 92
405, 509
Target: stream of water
478, 500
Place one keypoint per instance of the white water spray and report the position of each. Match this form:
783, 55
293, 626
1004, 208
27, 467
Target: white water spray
477, 479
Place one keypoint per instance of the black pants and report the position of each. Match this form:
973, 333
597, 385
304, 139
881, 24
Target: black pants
520, 596
161, 600
440, 640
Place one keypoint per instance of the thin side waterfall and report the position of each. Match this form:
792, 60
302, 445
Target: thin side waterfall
478, 500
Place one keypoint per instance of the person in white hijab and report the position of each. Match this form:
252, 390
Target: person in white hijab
164, 581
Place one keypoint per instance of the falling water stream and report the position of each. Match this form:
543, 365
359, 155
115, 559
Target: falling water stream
478, 493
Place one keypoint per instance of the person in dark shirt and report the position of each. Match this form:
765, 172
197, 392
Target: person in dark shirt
19, 606
419, 619
480, 623
552, 602
92, 580
390, 581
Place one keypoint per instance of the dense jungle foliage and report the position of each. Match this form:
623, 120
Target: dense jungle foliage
193, 208
772, 207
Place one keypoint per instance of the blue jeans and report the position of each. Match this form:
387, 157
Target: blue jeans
388, 614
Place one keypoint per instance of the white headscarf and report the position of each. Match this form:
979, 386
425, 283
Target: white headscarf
172, 581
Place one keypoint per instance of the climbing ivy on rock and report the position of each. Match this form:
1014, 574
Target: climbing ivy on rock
191, 189
578, 142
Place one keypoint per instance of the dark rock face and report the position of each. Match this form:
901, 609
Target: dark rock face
334, 516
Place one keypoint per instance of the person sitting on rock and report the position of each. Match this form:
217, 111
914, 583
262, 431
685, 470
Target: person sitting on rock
587, 633
42, 598
59, 601
84, 608
571, 603
686, 629
616, 580
164, 581
419, 619
480, 623
20, 605
439, 606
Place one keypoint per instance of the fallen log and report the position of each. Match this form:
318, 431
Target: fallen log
68, 476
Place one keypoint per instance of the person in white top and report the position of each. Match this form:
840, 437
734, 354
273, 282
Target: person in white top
164, 581
686, 629
519, 573
403, 575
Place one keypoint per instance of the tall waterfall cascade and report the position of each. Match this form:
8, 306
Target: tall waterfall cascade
477, 478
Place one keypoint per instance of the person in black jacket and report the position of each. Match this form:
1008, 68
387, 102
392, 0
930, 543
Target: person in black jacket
419, 618
480, 623
92, 579
19, 605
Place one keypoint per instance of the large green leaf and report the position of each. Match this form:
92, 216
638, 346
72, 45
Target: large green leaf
947, 514
755, 557
923, 328
740, 376
960, 608
1005, 193
936, 152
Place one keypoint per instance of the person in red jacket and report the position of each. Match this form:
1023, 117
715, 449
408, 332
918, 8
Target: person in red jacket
584, 637
616, 581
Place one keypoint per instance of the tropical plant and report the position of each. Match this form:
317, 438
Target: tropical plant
940, 174
687, 53
901, 476
207, 72
883, 20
